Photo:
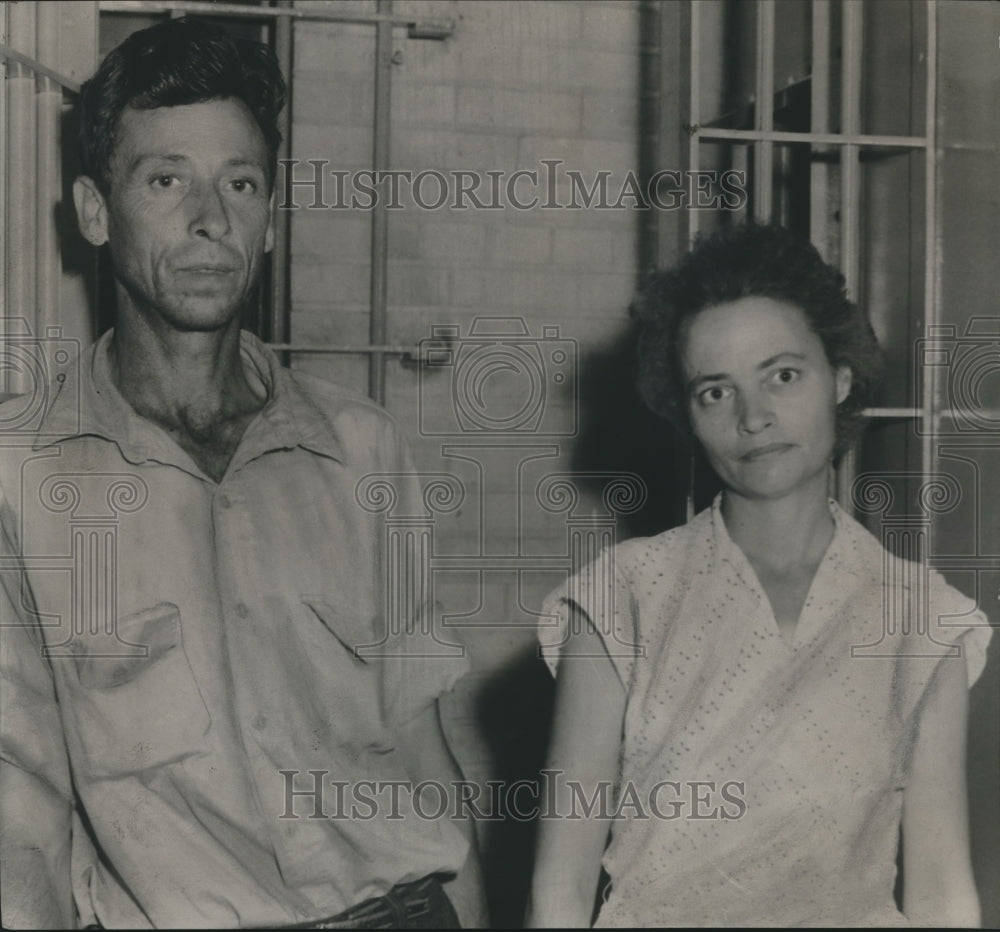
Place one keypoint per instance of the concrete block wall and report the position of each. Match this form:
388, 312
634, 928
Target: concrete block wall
517, 83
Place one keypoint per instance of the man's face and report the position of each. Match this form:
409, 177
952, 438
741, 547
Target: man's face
188, 216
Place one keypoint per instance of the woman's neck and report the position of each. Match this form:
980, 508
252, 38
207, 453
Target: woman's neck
783, 534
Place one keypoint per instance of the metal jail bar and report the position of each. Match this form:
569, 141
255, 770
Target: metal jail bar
31, 187
849, 142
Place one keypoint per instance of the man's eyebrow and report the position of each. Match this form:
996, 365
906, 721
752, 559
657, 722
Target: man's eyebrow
175, 158
245, 163
143, 157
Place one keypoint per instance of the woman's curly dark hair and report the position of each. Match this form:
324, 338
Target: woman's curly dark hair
171, 64
753, 260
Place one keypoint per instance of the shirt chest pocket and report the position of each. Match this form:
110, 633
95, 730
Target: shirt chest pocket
135, 702
346, 646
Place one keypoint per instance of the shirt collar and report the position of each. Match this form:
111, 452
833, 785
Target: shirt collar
85, 401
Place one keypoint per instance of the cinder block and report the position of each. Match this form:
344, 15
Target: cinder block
520, 244
449, 243
608, 116
331, 235
587, 248
423, 104
543, 112
417, 282
610, 25
321, 98
316, 281
341, 146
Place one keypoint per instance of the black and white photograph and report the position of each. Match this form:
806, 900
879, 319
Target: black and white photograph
499, 464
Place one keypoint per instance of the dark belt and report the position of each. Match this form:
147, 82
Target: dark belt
422, 904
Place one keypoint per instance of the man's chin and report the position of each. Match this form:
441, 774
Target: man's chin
202, 313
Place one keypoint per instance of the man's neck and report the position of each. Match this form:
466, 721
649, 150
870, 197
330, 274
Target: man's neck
180, 378
190, 383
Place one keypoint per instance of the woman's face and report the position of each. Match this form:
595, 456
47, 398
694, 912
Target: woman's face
761, 396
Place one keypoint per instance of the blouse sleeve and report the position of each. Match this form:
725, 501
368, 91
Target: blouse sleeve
956, 629
602, 595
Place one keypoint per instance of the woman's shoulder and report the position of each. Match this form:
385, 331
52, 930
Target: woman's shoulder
671, 545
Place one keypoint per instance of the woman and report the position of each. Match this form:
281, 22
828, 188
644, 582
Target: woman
749, 695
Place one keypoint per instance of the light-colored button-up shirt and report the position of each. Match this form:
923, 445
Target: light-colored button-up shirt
761, 777
207, 672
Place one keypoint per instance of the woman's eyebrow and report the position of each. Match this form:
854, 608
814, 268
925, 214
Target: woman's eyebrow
700, 379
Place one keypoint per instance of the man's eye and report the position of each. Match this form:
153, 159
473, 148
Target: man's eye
244, 185
164, 181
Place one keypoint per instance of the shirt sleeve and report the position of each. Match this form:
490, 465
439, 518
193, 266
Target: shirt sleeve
420, 658
601, 592
35, 790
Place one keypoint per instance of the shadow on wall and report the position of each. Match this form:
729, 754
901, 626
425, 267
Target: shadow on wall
514, 709
619, 434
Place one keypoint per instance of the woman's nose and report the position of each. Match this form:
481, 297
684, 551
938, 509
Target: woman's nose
756, 413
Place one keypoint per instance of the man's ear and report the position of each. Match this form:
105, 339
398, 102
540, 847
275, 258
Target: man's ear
91, 210
269, 234
843, 379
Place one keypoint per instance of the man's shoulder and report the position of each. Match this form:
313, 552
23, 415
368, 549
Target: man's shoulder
336, 401
363, 432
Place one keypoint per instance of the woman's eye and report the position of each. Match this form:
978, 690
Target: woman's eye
164, 181
712, 395
786, 376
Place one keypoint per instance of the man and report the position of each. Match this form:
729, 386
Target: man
195, 668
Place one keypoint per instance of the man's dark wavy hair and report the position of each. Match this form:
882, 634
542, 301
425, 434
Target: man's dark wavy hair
177, 62
753, 260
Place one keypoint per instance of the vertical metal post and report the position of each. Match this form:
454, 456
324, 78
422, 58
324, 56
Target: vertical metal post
279, 324
20, 168
930, 401
48, 108
4, 143
380, 217
694, 155
694, 160
764, 162
850, 188
819, 107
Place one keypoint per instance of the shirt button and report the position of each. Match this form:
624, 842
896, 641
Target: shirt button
241, 610
224, 500
259, 722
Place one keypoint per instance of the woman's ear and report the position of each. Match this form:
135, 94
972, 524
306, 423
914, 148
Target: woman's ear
91, 211
843, 380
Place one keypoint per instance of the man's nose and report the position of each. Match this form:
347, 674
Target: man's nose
756, 413
209, 218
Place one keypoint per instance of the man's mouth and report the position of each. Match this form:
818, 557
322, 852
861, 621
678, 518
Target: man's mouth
208, 269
